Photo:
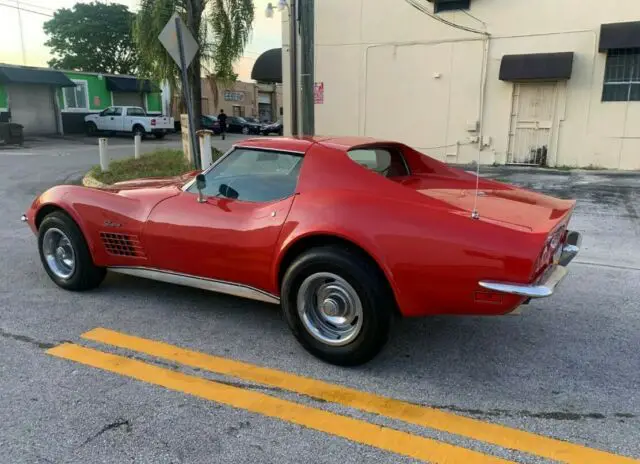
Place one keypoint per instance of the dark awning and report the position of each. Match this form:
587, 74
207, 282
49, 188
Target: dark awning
536, 66
268, 67
130, 84
25, 75
619, 35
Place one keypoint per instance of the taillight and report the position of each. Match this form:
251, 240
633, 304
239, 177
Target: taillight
552, 249
153, 122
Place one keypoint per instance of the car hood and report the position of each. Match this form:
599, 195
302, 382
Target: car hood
153, 182
496, 202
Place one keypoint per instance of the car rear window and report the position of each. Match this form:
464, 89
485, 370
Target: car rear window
384, 161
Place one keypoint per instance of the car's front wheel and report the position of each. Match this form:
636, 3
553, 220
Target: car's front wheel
65, 254
338, 304
91, 128
245, 130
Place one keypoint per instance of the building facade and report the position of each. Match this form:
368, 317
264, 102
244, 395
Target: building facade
550, 82
262, 101
46, 101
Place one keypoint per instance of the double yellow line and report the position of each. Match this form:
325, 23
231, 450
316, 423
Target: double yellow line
360, 431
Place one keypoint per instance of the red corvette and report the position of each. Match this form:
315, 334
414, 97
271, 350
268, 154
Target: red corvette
344, 233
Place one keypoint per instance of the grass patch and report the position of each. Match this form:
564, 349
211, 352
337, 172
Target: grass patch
161, 163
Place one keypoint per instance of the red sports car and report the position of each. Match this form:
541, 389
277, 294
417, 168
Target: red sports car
343, 233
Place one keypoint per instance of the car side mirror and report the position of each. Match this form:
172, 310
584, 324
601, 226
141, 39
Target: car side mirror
228, 192
201, 184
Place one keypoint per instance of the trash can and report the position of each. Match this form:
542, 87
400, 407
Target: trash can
11, 133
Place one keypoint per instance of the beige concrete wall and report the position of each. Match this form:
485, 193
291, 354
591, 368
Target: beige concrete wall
390, 71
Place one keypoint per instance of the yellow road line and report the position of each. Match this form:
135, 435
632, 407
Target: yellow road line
419, 415
359, 431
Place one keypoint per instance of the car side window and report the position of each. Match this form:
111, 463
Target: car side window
108, 111
384, 161
135, 112
253, 175
117, 112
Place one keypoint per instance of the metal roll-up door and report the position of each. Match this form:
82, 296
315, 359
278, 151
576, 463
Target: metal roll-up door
128, 99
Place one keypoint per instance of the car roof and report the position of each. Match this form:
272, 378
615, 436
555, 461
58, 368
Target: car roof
302, 144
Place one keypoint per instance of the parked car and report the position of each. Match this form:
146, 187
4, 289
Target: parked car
272, 128
344, 233
252, 120
211, 123
241, 125
128, 119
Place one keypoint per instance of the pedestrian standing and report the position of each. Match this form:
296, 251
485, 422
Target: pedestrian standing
222, 119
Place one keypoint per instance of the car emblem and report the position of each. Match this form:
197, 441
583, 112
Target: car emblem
108, 223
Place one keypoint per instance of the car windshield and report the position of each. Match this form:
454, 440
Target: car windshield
241, 119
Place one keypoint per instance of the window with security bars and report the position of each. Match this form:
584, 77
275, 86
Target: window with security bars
622, 75
449, 5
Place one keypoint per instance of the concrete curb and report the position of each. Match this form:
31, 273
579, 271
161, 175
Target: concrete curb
89, 181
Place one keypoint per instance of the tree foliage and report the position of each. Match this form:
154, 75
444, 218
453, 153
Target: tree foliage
93, 37
221, 28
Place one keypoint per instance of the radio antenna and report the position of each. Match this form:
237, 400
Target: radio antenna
483, 86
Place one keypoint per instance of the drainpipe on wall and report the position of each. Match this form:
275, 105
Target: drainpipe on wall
307, 25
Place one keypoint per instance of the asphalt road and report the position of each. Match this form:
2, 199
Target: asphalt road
568, 368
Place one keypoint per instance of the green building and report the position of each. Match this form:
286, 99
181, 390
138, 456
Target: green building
47, 101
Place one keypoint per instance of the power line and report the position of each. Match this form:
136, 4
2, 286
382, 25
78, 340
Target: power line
35, 5
19, 8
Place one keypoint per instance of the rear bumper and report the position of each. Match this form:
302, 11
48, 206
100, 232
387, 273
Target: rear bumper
550, 281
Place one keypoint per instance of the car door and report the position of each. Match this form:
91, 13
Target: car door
133, 115
114, 120
231, 236
102, 121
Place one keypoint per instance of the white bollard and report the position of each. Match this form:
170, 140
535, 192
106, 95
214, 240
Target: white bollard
103, 148
205, 148
137, 145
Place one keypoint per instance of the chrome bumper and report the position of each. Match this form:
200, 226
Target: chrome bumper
548, 284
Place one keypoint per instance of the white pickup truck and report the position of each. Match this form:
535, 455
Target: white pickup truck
130, 119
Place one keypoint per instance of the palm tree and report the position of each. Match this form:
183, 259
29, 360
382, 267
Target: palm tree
221, 28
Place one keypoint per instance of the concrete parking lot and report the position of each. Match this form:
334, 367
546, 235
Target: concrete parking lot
561, 380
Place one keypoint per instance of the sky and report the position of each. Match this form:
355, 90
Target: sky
266, 32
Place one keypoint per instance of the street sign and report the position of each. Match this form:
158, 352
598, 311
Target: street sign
169, 40
182, 47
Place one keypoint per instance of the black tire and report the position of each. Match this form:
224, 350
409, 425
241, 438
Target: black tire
139, 130
371, 287
91, 128
86, 275
246, 130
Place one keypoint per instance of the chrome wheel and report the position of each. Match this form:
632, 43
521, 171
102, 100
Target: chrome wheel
330, 308
58, 252
245, 130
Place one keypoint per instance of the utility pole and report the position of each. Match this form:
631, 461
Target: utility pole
307, 23
24, 52
293, 64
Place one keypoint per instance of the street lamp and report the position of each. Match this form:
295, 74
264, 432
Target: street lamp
293, 55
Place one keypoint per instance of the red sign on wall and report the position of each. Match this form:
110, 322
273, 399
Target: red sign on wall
318, 93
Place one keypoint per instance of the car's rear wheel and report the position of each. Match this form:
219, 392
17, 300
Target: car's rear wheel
65, 254
245, 130
139, 130
337, 304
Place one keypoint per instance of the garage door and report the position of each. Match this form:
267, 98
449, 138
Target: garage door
128, 99
32, 106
